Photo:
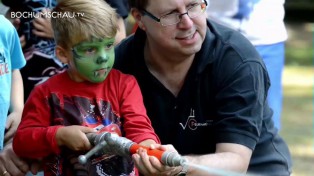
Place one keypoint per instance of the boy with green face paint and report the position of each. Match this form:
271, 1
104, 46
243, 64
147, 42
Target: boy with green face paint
89, 97
94, 59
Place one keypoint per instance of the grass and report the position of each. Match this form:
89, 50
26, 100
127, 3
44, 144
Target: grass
297, 117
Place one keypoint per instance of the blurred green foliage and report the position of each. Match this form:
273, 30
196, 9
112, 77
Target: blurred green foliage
300, 44
299, 56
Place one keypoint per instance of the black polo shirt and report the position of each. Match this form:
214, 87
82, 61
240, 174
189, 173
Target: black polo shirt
223, 100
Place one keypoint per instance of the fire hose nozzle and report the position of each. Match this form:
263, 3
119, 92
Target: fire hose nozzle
114, 144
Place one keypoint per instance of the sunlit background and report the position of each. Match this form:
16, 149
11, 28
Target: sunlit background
298, 79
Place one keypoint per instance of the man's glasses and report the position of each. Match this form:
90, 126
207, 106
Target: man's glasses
174, 18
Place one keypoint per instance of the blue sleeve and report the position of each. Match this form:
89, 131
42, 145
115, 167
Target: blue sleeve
17, 58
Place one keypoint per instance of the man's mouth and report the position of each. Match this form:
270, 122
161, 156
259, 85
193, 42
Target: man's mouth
188, 37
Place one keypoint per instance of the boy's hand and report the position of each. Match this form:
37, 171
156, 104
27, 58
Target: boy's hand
13, 122
74, 137
150, 165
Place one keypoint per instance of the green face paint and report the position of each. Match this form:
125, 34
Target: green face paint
94, 59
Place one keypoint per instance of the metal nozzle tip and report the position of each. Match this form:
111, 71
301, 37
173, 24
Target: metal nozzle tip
82, 159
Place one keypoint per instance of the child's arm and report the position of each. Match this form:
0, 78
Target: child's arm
35, 137
137, 125
147, 142
16, 106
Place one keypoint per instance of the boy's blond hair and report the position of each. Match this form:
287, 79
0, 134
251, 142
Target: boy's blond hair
79, 20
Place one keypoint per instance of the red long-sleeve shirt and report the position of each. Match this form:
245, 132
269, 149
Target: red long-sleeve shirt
62, 102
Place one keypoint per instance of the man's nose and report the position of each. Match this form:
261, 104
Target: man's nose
185, 20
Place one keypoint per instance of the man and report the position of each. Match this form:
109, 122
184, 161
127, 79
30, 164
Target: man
204, 88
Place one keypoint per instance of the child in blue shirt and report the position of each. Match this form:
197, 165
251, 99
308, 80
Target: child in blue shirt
11, 97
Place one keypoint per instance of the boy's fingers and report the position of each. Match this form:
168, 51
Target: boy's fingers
85, 129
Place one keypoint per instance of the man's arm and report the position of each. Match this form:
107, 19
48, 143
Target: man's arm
16, 105
229, 157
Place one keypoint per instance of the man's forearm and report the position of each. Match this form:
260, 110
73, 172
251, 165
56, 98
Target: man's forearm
228, 157
212, 164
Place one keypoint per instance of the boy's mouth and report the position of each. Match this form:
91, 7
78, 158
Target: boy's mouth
100, 72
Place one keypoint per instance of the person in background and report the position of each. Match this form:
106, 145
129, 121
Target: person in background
122, 9
36, 38
205, 90
88, 97
261, 21
11, 98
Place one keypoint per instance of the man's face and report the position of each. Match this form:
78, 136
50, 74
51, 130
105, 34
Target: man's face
92, 60
185, 37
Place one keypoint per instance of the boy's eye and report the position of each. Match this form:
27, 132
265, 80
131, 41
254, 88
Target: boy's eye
109, 46
90, 51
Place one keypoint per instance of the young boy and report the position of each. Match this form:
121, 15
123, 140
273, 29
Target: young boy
37, 38
89, 96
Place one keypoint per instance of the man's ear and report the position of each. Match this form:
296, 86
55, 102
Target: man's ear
137, 15
62, 54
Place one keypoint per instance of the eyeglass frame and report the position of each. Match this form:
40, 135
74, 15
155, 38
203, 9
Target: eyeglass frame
145, 12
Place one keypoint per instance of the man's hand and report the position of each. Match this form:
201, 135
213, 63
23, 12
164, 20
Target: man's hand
150, 165
13, 122
10, 163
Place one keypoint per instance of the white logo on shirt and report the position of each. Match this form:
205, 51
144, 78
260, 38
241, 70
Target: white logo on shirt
192, 123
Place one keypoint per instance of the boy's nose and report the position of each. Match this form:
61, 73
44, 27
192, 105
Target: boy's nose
101, 59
